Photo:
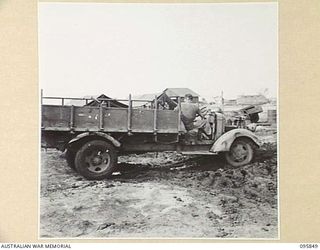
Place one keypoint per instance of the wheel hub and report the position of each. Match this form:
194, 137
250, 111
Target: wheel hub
239, 152
96, 160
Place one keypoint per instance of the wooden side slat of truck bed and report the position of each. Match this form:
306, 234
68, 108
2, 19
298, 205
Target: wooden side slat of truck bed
86, 118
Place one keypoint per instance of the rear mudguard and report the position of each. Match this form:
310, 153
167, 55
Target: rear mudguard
225, 141
115, 142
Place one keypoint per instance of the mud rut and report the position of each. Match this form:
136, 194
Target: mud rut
162, 195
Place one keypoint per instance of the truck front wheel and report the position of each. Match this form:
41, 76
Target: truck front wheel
96, 160
241, 152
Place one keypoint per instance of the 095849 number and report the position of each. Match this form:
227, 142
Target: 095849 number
308, 246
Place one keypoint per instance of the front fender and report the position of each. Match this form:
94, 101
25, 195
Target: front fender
115, 142
224, 142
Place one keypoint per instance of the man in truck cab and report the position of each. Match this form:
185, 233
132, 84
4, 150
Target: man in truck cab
189, 112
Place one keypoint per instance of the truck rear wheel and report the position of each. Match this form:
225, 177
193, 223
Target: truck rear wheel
96, 160
241, 152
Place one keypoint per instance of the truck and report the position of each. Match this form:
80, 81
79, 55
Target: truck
93, 135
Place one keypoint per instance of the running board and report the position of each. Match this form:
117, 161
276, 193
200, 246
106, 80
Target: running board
197, 153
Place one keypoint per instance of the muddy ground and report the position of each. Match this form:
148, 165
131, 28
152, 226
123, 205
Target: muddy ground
163, 195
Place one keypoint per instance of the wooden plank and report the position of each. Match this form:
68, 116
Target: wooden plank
62, 129
168, 120
112, 130
160, 131
129, 122
101, 117
72, 117
86, 117
55, 116
155, 112
179, 113
142, 119
115, 119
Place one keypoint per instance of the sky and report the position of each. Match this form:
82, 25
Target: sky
117, 49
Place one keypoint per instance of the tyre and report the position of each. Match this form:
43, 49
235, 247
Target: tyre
241, 152
70, 157
96, 160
